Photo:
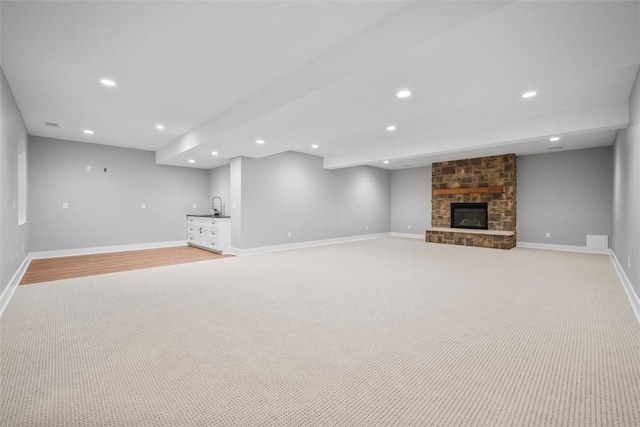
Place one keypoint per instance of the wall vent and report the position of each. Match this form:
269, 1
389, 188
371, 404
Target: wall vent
52, 125
597, 242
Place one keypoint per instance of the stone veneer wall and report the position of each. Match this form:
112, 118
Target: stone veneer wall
470, 173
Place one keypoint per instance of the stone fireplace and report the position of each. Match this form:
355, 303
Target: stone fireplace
473, 202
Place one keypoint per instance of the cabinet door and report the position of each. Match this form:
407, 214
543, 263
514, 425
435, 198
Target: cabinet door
200, 231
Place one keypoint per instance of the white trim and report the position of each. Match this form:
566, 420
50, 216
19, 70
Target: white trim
626, 284
409, 235
13, 284
564, 248
300, 245
106, 249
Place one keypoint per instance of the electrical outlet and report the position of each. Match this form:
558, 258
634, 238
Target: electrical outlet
65, 205
194, 206
14, 204
408, 227
547, 234
88, 168
628, 261
143, 206
366, 227
289, 234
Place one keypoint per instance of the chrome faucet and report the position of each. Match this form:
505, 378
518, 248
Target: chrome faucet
218, 209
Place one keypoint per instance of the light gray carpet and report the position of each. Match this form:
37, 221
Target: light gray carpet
383, 332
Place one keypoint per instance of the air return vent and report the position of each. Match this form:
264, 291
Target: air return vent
52, 125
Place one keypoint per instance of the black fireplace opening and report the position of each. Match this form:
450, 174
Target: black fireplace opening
469, 215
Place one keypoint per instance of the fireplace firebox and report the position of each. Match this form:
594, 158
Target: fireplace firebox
469, 215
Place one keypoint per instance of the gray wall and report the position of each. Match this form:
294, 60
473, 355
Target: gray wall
235, 197
626, 192
292, 192
13, 139
220, 185
567, 194
411, 200
105, 207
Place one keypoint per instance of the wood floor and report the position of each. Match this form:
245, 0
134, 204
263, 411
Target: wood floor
45, 270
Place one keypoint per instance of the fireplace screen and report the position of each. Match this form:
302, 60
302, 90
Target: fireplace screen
469, 215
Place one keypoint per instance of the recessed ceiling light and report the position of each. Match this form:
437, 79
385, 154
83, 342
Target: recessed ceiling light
191, 161
108, 82
391, 128
386, 162
314, 146
160, 127
215, 153
88, 132
554, 138
259, 141
529, 94
404, 93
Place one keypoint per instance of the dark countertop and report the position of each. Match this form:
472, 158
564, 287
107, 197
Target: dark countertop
208, 216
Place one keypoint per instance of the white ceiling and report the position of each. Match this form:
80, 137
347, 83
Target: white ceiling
220, 75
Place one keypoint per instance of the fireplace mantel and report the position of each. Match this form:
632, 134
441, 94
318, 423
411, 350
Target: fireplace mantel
469, 190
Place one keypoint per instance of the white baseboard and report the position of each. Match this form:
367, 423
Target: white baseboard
564, 248
13, 284
106, 249
626, 284
300, 245
409, 235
